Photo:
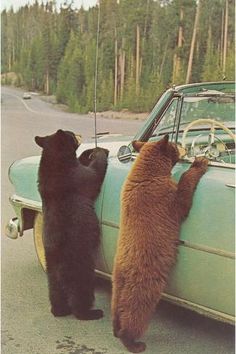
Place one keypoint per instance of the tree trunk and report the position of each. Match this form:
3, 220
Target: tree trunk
9, 61
222, 38
195, 27
137, 59
116, 72
144, 34
122, 77
122, 73
164, 55
225, 35
47, 82
177, 58
209, 37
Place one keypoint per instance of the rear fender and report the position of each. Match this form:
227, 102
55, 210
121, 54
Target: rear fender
25, 213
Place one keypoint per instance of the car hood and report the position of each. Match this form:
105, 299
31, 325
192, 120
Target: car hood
112, 142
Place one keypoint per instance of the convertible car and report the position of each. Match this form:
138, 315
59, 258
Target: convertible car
200, 119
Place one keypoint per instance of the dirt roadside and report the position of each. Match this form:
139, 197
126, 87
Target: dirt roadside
124, 114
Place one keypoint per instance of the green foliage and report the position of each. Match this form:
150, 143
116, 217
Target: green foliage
230, 64
53, 51
211, 69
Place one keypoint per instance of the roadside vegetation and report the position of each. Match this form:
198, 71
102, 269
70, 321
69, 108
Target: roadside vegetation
144, 46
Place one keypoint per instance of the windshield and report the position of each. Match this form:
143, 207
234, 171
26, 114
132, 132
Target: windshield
184, 111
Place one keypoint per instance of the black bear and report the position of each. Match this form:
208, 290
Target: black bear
153, 206
68, 187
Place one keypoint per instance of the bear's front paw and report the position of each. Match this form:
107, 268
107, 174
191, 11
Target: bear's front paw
98, 151
201, 162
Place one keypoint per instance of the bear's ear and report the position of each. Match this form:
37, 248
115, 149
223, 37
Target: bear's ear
60, 132
60, 136
164, 141
39, 141
137, 145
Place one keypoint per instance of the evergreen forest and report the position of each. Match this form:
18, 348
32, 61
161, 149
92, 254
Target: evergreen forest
143, 47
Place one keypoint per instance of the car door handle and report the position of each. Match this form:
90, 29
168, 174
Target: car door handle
230, 185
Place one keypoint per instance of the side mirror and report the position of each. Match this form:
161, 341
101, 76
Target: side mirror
124, 154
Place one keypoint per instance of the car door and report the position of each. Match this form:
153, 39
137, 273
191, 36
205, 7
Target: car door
204, 272
116, 174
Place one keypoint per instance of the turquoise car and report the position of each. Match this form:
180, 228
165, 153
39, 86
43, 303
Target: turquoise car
200, 119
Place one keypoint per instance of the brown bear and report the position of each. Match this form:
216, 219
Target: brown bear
153, 206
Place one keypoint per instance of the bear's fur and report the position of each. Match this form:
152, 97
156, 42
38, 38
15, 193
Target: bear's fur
69, 186
153, 206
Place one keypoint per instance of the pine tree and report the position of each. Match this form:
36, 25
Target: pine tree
144, 46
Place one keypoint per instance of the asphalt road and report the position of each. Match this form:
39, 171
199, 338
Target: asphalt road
27, 325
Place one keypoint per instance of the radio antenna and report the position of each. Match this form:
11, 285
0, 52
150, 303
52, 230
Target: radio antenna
96, 77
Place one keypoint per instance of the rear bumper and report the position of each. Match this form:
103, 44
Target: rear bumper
25, 210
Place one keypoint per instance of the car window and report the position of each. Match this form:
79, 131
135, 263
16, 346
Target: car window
218, 108
203, 137
167, 121
221, 109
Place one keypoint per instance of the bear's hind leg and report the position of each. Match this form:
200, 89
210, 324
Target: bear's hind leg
89, 315
117, 287
129, 342
81, 298
57, 296
116, 325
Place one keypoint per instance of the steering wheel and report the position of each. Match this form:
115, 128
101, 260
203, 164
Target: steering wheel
213, 123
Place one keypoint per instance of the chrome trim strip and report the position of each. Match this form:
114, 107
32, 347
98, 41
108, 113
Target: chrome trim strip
217, 315
103, 275
111, 224
202, 310
207, 249
27, 203
230, 185
188, 244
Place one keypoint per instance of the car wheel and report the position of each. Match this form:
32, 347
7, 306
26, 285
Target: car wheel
38, 240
